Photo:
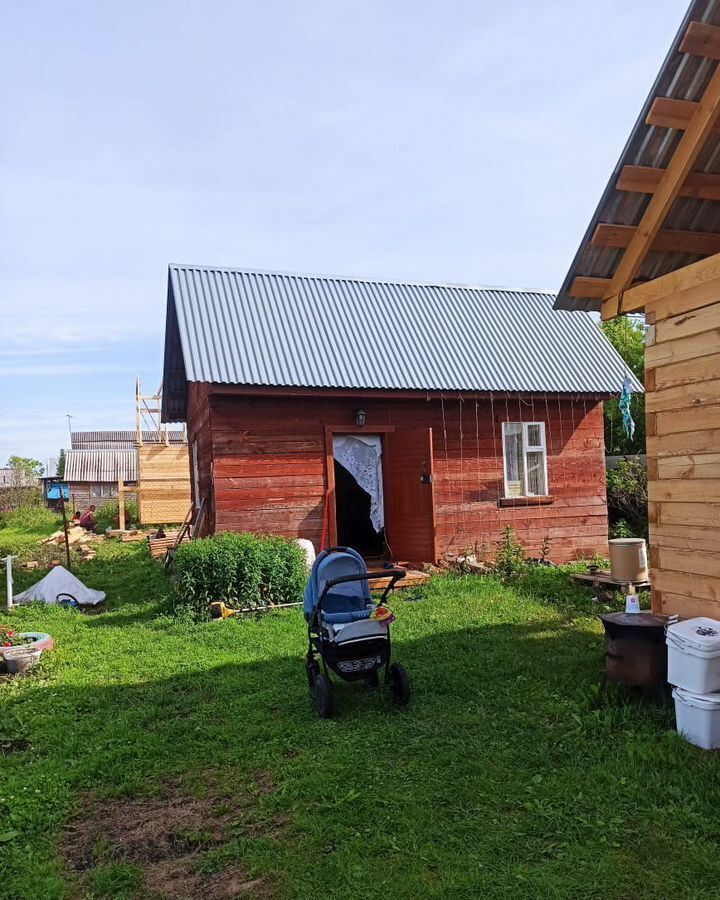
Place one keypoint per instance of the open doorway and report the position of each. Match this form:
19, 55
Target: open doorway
359, 508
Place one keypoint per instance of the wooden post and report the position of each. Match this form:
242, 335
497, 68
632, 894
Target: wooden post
65, 529
121, 505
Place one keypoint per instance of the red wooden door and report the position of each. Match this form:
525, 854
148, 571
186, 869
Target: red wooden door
408, 494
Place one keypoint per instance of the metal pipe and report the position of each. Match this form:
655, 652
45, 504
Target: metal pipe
9, 580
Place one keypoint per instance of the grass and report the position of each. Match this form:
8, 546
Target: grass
505, 777
21, 531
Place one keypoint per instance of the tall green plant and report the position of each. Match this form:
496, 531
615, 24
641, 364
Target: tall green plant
108, 515
243, 570
510, 556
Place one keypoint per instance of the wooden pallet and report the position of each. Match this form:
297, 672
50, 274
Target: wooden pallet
160, 546
412, 579
606, 581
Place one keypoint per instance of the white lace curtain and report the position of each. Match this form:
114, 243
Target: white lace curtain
360, 454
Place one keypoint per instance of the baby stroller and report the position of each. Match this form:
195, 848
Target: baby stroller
337, 609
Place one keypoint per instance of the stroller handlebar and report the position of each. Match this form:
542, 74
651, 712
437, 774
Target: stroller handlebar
394, 574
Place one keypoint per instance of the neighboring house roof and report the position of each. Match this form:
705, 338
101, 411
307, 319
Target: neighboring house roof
10, 477
690, 229
118, 440
101, 465
235, 326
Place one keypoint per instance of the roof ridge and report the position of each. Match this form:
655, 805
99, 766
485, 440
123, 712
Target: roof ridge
247, 270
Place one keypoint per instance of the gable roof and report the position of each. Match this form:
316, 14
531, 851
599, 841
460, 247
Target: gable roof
117, 440
101, 465
238, 326
690, 226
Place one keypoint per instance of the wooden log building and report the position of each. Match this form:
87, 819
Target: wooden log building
407, 420
653, 247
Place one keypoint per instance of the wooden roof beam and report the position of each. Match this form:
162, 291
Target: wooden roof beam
699, 128
699, 282
589, 287
645, 180
694, 243
701, 39
665, 112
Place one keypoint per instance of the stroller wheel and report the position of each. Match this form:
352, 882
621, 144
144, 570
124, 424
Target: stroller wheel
323, 696
399, 683
313, 670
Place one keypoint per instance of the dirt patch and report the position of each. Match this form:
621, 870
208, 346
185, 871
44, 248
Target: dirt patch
168, 837
264, 783
8, 746
175, 879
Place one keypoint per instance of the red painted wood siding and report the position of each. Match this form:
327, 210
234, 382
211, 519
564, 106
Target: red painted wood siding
200, 432
267, 458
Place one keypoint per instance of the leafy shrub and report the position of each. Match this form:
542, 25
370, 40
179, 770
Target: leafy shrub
627, 494
243, 570
30, 516
510, 557
621, 529
108, 516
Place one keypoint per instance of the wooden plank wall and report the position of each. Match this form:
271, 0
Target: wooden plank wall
81, 495
163, 483
267, 458
683, 426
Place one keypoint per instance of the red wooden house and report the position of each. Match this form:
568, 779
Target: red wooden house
413, 420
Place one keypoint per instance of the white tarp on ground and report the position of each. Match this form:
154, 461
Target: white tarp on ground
60, 581
360, 454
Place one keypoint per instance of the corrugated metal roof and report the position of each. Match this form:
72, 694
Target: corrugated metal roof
101, 465
683, 76
117, 440
234, 326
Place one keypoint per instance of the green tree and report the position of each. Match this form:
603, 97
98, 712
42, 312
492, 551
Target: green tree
62, 459
627, 335
25, 470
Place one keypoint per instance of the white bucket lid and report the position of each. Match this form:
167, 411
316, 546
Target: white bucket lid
699, 701
701, 634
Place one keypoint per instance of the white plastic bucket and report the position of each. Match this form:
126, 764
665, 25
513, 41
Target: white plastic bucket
698, 718
694, 655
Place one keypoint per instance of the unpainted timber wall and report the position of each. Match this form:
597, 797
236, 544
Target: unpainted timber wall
85, 493
163, 483
683, 425
262, 466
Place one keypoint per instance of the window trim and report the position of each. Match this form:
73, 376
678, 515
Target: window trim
526, 448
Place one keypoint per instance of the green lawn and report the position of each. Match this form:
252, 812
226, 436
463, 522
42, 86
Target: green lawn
151, 758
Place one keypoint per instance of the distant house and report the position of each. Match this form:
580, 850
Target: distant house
92, 476
153, 464
120, 440
408, 420
15, 478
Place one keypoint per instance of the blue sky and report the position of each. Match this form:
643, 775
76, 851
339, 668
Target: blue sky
454, 141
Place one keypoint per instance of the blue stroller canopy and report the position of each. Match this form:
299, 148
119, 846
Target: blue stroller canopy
344, 602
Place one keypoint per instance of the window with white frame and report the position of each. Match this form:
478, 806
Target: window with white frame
525, 459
